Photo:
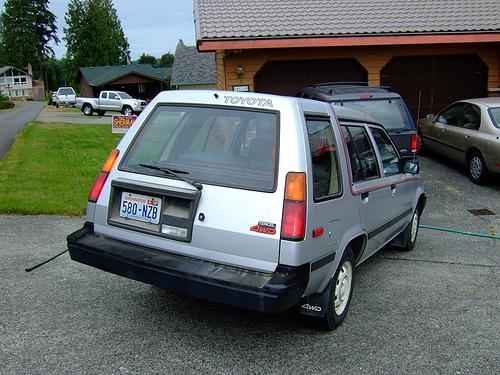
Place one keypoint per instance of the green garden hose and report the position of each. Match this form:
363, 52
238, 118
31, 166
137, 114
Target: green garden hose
460, 232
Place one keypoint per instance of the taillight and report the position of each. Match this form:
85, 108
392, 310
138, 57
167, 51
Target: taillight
414, 143
102, 176
293, 226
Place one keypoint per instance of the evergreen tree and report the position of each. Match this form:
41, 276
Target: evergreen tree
166, 60
28, 26
148, 59
94, 34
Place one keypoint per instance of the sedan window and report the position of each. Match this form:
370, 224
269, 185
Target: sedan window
495, 116
471, 119
451, 115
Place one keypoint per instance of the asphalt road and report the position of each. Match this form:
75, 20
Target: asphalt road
11, 122
433, 310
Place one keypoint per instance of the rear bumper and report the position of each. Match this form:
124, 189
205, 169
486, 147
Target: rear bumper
266, 292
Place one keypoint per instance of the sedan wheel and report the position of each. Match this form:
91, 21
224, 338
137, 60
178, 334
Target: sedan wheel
477, 168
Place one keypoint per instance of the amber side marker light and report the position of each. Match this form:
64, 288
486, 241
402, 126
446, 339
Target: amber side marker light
293, 225
102, 176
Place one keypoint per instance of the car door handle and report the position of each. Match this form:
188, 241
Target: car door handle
365, 195
393, 189
467, 136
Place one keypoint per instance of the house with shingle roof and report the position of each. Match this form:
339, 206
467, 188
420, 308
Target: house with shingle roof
193, 70
432, 52
142, 81
15, 83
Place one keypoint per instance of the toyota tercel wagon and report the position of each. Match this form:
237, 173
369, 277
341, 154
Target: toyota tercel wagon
251, 200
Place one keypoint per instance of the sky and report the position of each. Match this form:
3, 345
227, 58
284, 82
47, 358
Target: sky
151, 26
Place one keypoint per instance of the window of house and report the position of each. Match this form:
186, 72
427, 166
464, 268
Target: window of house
325, 166
142, 88
364, 164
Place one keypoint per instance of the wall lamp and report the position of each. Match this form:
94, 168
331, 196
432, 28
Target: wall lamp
240, 71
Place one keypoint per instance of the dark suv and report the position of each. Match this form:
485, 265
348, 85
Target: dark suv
384, 105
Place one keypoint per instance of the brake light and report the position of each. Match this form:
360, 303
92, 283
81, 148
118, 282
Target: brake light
293, 225
414, 143
102, 176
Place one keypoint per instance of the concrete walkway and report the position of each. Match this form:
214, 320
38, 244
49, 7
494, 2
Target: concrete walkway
11, 122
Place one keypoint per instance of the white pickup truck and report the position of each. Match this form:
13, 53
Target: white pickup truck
116, 101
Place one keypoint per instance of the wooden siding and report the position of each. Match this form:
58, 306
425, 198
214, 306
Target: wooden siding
85, 89
373, 58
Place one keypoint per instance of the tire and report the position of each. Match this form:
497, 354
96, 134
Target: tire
127, 111
411, 232
101, 113
56, 104
477, 168
87, 110
340, 296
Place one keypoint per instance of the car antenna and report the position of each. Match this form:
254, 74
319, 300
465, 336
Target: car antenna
46, 261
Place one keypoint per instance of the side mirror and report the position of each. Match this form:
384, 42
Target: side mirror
430, 117
411, 166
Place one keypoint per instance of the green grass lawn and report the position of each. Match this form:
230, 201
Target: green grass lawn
52, 166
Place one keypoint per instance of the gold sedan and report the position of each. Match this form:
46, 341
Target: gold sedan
467, 131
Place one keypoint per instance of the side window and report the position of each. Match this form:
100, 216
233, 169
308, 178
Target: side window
451, 115
104, 95
387, 152
112, 95
471, 119
325, 166
361, 153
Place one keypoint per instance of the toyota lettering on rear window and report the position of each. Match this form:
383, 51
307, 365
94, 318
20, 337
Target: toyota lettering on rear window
219, 146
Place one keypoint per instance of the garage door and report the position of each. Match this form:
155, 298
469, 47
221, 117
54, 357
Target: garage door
438, 80
288, 77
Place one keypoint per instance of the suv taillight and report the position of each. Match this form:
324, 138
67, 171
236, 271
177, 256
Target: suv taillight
293, 225
414, 143
102, 176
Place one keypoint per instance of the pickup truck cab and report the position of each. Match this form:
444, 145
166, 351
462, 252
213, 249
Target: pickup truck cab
252, 200
115, 101
65, 96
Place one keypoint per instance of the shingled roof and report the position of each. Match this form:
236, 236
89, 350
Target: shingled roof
229, 19
100, 75
191, 67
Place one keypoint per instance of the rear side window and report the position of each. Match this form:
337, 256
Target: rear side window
228, 147
471, 118
361, 153
325, 167
495, 116
389, 112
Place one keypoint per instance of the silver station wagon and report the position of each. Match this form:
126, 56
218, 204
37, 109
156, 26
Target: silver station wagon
251, 200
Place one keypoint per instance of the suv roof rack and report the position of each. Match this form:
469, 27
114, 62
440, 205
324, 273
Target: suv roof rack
339, 88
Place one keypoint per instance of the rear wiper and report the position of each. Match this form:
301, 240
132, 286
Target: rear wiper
173, 172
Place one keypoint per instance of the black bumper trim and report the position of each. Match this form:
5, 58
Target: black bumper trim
266, 292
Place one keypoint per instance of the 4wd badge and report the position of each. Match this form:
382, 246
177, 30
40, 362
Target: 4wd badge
264, 227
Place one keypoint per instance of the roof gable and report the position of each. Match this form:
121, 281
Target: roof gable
100, 75
191, 67
229, 19
6, 68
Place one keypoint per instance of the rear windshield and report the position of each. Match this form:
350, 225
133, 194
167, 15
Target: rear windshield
495, 116
220, 146
390, 113
66, 92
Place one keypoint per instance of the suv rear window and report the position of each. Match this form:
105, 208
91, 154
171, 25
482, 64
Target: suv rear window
389, 112
219, 146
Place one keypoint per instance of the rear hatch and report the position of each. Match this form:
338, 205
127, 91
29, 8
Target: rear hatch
200, 181
392, 113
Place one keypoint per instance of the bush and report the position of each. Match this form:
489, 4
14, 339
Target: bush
5, 102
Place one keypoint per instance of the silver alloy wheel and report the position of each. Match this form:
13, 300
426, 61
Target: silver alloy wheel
476, 167
343, 286
87, 110
414, 227
127, 111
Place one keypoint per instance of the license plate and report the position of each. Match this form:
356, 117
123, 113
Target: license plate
140, 207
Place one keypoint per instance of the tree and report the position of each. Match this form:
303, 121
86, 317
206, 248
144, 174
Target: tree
94, 35
148, 59
166, 60
28, 26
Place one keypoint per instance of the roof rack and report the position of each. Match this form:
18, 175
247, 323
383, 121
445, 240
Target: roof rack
342, 83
